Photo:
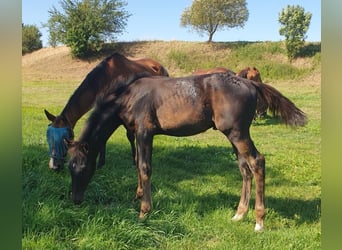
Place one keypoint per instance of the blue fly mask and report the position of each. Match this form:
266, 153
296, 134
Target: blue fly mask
56, 139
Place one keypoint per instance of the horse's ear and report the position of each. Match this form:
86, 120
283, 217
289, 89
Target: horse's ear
156, 68
50, 116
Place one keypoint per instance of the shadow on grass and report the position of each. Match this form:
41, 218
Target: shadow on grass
301, 211
267, 120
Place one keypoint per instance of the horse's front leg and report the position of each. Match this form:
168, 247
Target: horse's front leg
102, 157
144, 154
131, 138
258, 167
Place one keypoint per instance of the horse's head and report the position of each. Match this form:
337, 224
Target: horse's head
82, 168
253, 74
58, 135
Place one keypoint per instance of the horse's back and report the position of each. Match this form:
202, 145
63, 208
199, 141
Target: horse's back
188, 105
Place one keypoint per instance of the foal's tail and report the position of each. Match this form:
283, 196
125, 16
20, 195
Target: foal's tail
280, 105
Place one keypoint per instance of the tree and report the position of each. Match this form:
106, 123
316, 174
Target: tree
84, 25
30, 39
209, 16
294, 25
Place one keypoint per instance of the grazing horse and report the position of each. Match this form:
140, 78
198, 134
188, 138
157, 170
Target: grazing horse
253, 73
111, 75
250, 73
182, 107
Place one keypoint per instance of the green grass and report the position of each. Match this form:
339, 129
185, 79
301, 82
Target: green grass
195, 185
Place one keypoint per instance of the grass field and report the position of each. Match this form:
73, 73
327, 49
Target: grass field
195, 184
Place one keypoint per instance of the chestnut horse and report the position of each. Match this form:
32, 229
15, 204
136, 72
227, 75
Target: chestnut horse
251, 73
111, 75
182, 107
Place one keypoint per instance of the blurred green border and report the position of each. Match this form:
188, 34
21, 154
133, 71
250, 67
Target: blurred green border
10, 214
331, 124
10, 132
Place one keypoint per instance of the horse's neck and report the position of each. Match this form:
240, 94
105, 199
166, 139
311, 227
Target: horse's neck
82, 100
102, 122
99, 80
73, 114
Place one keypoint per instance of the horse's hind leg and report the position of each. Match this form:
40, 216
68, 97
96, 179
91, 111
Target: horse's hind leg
251, 163
247, 177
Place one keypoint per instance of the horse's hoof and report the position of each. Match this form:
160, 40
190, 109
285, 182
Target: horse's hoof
237, 217
258, 227
142, 215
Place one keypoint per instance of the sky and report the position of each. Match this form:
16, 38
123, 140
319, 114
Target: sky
160, 20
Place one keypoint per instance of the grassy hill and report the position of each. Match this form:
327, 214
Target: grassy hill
180, 58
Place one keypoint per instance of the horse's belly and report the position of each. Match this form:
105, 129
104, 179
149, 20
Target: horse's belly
185, 130
183, 120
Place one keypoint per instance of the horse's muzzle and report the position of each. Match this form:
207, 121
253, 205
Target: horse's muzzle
77, 199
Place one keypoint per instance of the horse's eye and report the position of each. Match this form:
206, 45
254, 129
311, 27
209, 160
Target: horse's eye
74, 165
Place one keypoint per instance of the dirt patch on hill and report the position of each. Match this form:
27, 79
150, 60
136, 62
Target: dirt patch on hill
57, 64
54, 64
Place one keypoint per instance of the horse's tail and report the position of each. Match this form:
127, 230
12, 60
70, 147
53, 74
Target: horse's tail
280, 105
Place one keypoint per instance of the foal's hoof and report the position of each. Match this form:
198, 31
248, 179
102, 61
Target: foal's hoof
142, 216
237, 217
259, 227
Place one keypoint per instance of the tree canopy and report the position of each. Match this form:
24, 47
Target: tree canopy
30, 39
209, 16
84, 25
294, 25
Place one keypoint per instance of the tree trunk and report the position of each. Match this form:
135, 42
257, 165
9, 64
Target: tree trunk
210, 37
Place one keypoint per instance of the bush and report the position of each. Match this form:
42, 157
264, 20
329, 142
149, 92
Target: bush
85, 25
30, 39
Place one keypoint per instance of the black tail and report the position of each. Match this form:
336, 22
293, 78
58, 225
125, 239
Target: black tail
280, 105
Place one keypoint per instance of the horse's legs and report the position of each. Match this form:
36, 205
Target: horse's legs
250, 162
131, 139
246, 189
144, 154
102, 157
